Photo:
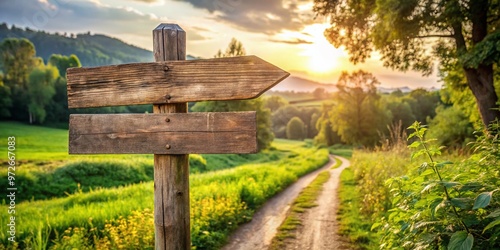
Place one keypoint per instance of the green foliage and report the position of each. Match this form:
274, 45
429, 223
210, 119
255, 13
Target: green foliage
353, 224
358, 116
451, 127
17, 59
77, 177
5, 99
441, 204
275, 102
326, 135
423, 104
295, 129
400, 111
64, 62
40, 91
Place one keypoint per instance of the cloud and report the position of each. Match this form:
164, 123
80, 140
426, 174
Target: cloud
127, 24
149, 1
260, 16
296, 41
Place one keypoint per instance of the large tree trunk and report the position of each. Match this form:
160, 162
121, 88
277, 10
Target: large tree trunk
480, 81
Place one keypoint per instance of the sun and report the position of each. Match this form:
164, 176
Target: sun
321, 55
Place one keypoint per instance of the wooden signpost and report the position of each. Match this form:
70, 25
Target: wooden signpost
170, 133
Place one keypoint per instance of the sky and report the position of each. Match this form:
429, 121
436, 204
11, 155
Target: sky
283, 32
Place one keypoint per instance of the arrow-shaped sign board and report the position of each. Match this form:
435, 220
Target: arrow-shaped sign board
233, 78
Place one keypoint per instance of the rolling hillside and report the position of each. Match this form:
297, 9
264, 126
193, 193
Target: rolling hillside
91, 49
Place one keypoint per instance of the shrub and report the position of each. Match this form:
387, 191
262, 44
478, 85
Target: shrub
295, 129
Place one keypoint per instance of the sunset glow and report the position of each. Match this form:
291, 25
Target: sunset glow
323, 57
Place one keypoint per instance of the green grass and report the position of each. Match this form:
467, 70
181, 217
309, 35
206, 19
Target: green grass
43, 144
353, 224
337, 164
306, 199
220, 200
341, 150
45, 170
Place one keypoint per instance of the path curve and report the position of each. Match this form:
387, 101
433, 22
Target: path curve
319, 224
258, 233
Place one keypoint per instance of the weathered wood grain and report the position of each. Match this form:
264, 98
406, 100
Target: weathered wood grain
171, 82
171, 174
207, 133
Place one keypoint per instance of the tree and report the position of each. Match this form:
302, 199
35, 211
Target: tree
358, 117
423, 104
40, 91
17, 59
400, 112
62, 63
281, 117
58, 107
411, 34
5, 100
320, 93
451, 127
326, 135
275, 102
235, 48
295, 129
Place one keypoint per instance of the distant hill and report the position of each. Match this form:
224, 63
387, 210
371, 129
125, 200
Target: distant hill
92, 50
297, 84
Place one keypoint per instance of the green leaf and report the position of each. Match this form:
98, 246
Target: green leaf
449, 184
415, 144
428, 171
492, 224
482, 200
442, 204
494, 214
417, 154
460, 202
375, 225
442, 164
412, 135
461, 240
428, 187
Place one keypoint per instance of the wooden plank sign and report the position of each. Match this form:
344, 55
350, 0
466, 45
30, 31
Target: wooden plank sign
176, 133
233, 78
170, 133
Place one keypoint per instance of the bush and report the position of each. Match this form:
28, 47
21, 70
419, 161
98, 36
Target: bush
445, 205
295, 129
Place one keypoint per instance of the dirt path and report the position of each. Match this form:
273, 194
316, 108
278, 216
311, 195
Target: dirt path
258, 233
319, 224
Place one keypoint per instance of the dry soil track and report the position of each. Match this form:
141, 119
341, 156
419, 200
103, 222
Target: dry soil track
319, 227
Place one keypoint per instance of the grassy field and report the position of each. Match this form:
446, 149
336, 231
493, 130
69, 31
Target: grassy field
89, 218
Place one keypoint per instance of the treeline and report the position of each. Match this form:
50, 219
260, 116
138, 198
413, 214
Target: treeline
36, 92
355, 115
92, 50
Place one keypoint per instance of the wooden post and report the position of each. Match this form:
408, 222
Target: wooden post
171, 172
